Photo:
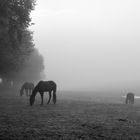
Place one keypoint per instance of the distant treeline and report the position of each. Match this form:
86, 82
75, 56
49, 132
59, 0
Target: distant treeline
19, 60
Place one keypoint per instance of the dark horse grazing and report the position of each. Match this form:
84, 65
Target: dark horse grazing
41, 87
130, 98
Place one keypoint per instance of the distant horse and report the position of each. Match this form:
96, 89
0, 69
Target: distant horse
41, 87
130, 98
28, 88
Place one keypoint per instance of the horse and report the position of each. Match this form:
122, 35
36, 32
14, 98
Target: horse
130, 98
41, 87
27, 87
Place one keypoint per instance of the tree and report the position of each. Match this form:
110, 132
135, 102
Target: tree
32, 68
16, 41
14, 45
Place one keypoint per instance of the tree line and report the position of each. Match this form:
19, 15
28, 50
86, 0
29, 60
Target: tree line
18, 55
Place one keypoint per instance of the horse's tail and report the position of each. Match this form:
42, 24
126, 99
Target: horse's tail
54, 95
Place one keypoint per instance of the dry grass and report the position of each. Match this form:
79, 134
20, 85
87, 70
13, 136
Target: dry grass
68, 119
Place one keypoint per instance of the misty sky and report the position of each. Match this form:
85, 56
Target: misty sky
89, 44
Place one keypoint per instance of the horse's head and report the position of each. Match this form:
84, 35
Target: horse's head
32, 99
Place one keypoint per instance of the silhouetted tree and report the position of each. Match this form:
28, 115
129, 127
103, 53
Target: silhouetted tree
14, 20
32, 69
16, 41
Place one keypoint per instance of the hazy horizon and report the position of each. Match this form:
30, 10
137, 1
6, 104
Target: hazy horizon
89, 45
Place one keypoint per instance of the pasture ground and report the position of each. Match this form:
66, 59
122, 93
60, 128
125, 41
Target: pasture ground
69, 119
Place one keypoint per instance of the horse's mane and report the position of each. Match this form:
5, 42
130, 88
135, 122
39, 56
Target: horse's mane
35, 90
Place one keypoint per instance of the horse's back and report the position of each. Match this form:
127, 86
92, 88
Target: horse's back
31, 85
46, 85
130, 94
28, 85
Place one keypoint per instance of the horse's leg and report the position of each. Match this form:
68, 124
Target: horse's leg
30, 92
26, 90
126, 101
41, 93
49, 97
132, 100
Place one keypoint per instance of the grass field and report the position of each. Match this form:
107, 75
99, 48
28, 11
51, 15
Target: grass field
73, 118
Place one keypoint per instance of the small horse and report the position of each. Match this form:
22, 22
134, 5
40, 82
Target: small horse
28, 88
41, 87
130, 98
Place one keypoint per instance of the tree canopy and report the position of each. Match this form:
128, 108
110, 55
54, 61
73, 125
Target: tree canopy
16, 40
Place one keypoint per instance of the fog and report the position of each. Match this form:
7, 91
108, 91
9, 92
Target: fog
88, 44
30, 71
